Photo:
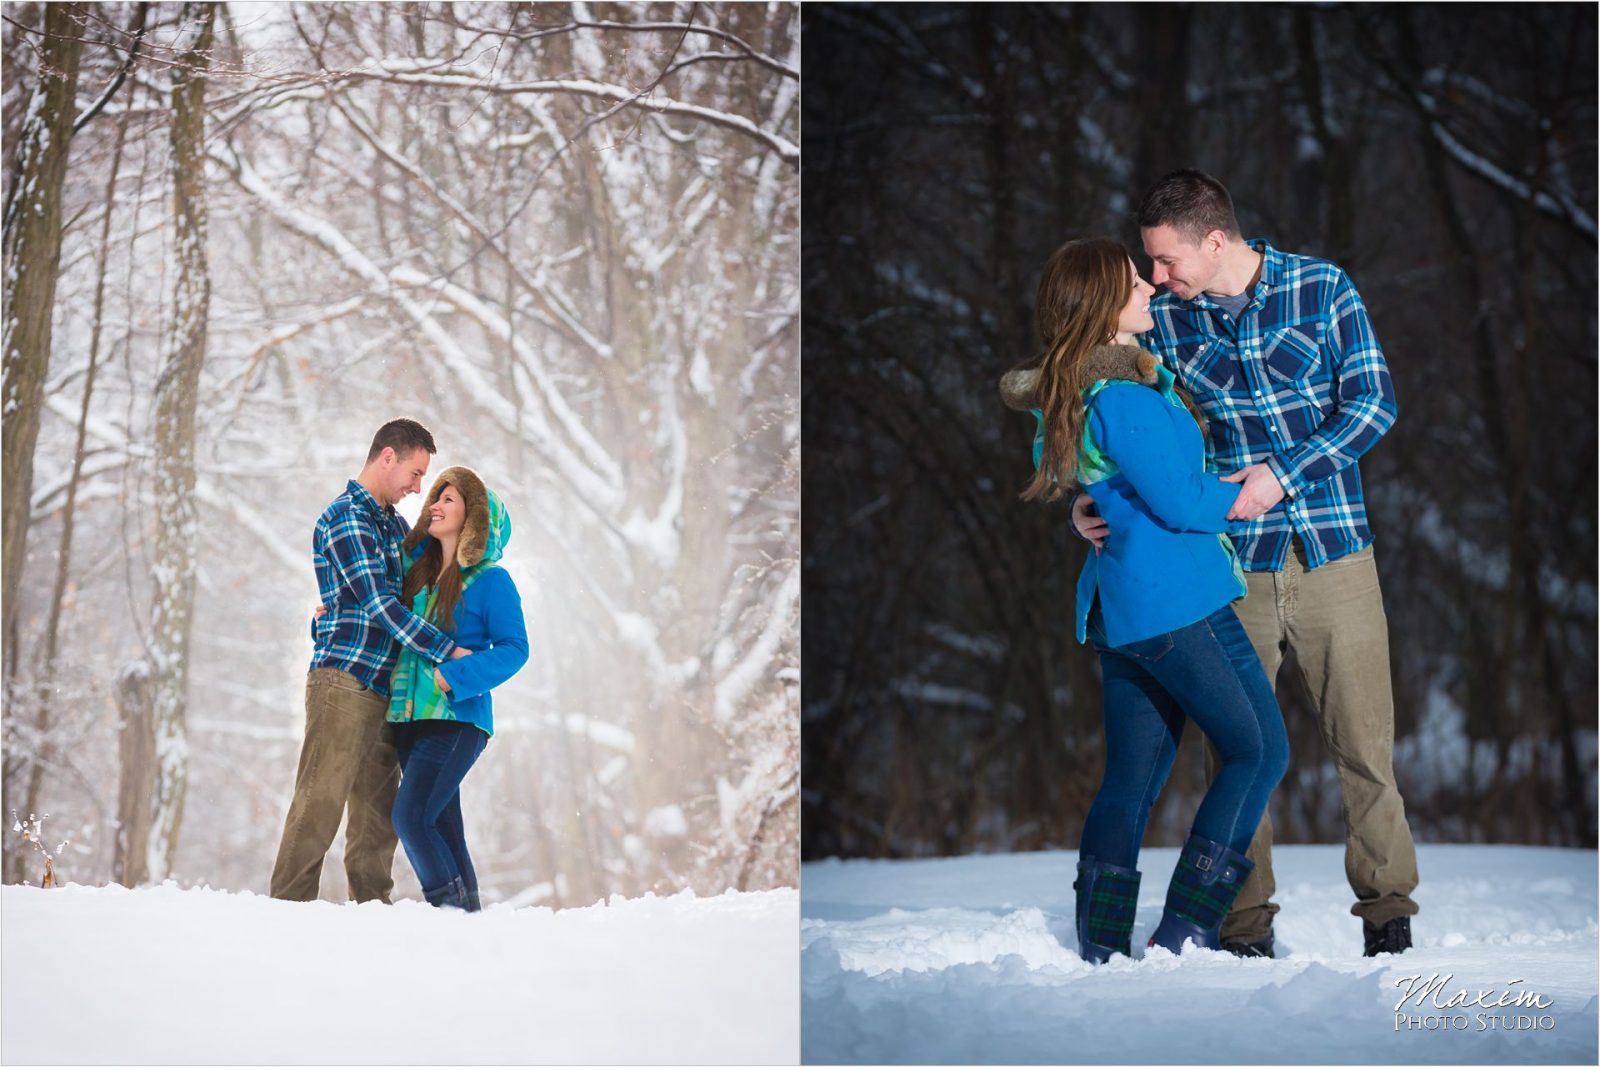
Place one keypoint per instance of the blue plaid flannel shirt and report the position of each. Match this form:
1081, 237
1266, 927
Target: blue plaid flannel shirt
356, 547
1298, 383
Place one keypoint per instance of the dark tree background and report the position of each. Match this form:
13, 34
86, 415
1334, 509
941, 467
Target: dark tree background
1444, 155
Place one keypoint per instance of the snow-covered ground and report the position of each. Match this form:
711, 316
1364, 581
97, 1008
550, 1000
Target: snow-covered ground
170, 976
973, 960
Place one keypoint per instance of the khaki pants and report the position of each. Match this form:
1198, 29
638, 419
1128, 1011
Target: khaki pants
1333, 619
346, 760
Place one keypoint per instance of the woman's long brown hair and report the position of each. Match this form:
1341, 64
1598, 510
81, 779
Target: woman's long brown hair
1085, 286
422, 572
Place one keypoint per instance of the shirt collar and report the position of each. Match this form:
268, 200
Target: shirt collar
359, 494
1272, 264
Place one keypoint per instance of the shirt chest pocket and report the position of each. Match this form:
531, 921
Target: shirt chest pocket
1291, 356
1215, 370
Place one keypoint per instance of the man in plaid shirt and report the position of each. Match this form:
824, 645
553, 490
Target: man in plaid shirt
347, 758
1279, 354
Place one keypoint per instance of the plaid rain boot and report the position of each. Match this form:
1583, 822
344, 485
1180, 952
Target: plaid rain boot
1107, 899
1204, 885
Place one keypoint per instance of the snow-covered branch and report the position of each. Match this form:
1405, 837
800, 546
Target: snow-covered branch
1558, 204
756, 664
591, 489
561, 316
747, 51
547, 394
414, 73
206, 490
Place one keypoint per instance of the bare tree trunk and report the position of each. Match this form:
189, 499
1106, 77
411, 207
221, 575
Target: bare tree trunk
136, 752
176, 395
1167, 53
544, 848
1337, 166
32, 240
1496, 396
64, 555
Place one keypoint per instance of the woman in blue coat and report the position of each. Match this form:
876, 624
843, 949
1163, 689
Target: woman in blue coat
1155, 601
441, 718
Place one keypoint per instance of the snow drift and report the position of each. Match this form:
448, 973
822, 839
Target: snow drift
972, 960
164, 975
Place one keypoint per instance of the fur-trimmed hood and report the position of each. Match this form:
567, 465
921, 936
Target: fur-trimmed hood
487, 527
1125, 362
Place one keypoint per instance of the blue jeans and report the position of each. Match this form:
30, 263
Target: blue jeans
1207, 672
435, 755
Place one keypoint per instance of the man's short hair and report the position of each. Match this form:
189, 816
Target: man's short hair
1190, 202
404, 436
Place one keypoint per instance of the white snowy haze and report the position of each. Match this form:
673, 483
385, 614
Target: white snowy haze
566, 242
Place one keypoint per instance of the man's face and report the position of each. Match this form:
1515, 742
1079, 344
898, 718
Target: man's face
402, 475
1180, 265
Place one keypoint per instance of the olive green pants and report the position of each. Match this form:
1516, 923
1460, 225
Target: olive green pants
1333, 620
347, 760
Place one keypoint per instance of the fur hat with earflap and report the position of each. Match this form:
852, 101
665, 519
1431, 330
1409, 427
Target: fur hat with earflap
473, 541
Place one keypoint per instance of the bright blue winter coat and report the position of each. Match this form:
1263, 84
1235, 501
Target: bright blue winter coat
488, 618
1167, 562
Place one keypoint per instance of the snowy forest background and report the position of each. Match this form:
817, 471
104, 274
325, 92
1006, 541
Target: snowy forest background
241, 236
1443, 154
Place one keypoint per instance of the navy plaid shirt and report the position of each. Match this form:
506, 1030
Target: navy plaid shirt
1297, 382
356, 547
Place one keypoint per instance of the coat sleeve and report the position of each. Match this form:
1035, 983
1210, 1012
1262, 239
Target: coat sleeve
357, 558
1134, 426
480, 672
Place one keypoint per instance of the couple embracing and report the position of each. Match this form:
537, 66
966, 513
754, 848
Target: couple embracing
413, 630
1222, 498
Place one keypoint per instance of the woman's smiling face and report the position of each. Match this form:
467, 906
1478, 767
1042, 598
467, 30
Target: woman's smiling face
447, 514
1135, 317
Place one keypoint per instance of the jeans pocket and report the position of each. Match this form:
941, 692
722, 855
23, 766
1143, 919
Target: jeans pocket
1151, 649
